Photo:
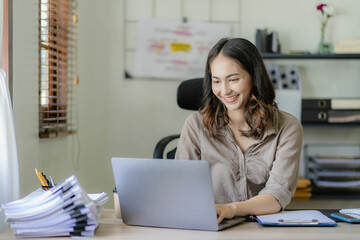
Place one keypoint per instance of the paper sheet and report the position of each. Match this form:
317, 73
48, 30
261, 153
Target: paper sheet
301, 217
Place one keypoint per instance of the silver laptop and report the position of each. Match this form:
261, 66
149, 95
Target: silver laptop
167, 193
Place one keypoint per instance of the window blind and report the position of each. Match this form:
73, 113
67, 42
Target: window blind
58, 67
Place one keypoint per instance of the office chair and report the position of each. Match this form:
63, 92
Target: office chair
189, 95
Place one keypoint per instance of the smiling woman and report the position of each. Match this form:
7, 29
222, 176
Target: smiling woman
230, 83
252, 147
240, 57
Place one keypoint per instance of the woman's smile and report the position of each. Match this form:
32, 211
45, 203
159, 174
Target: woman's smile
231, 98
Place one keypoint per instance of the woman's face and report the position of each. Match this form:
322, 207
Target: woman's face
230, 82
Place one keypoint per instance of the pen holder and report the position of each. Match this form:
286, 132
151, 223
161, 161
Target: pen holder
117, 205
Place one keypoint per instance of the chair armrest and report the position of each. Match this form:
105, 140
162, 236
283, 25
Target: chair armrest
160, 146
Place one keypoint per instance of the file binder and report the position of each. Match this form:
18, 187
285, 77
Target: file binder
335, 110
331, 103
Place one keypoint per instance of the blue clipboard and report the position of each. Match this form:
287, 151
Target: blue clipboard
299, 218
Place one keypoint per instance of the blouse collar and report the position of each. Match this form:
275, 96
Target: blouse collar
274, 129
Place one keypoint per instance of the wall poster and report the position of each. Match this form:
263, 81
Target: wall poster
170, 49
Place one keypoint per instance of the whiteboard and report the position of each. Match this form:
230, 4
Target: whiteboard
173, 49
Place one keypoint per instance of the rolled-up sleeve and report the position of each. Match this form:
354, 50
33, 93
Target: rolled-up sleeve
283, 175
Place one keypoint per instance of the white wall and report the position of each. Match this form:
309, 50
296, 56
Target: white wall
25, 87
122, 117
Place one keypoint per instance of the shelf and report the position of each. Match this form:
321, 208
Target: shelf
309, 56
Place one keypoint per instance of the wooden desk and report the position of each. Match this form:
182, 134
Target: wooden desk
109, 228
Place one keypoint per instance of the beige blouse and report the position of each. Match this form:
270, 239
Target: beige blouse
268, 166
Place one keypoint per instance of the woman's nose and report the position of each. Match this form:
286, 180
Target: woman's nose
225, 88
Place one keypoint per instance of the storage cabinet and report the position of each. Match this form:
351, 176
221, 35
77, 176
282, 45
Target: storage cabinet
320, 118
334, 169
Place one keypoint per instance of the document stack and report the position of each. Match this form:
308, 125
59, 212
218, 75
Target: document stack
63, 210
347, 46
336, 172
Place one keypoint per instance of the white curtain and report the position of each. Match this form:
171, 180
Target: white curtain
9, 167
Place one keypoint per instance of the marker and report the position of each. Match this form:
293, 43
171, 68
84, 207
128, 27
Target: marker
41, 178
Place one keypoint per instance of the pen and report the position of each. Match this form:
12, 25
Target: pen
41, 178
47, 180
52, 182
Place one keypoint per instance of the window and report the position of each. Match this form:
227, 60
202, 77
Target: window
58, 67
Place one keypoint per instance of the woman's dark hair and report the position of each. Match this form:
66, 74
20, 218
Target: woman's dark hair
258, 110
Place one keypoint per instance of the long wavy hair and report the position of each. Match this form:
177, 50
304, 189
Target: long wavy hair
259, 108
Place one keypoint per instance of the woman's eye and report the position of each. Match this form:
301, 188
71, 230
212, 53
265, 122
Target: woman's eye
233, 80
215, 81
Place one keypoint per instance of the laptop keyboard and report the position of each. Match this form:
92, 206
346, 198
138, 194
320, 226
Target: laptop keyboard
230, 222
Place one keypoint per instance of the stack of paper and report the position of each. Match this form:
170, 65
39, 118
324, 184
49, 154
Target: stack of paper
340, 173
63, 210
347, 46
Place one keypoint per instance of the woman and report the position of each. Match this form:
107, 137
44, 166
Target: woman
253, 149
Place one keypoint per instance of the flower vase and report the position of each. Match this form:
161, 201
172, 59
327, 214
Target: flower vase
324, 47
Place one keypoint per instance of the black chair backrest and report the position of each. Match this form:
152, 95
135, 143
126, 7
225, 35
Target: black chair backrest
161, 145
189, 94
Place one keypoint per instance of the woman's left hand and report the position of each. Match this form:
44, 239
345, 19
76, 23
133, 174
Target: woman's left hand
225, 211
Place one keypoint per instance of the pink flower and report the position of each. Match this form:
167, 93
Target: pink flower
325, 12
320, 6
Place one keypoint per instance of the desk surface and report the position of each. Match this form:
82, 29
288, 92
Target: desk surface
109, 228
